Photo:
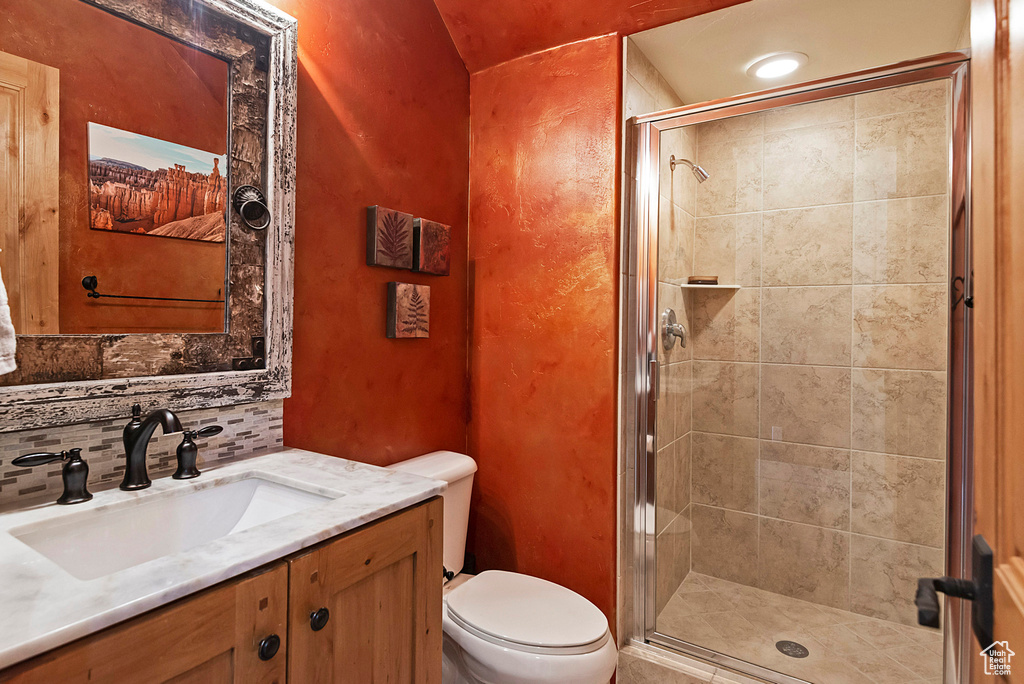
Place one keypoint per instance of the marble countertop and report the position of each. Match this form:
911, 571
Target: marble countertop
43, 606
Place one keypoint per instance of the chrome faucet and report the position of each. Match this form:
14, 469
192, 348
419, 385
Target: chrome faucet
136, 440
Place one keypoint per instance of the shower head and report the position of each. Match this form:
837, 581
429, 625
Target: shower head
697, 170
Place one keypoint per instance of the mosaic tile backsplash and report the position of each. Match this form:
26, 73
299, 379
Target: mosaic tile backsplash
249, 430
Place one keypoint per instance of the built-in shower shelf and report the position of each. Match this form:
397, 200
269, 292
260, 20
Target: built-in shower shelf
687, 286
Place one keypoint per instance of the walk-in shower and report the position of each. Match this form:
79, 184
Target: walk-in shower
797, 464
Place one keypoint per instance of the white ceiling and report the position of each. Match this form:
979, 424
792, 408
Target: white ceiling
706, 57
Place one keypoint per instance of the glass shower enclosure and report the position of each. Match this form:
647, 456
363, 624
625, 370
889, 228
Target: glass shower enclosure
800, 452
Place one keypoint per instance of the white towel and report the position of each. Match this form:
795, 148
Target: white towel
7, 337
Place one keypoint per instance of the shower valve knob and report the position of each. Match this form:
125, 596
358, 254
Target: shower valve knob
670, 330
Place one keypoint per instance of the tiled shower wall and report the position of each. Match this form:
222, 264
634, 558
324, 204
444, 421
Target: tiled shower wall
817, 437
249, 430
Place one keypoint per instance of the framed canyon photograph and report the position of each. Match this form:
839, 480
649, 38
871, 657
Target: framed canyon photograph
144, 185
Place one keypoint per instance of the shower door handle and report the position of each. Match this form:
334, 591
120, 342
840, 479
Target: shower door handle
978, 590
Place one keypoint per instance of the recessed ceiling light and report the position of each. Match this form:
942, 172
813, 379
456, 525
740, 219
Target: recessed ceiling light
777, 65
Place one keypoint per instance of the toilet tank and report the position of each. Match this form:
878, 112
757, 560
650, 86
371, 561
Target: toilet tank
457, 470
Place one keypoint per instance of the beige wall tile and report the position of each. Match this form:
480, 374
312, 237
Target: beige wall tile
901, 240
727, 324
808, 246
665, 415
734, 185
724, 544
902, 155
902, 99
811, 114
725, 397
808, 325
675, 243
805, 562
900, 412
637, 99
806, 404
666, 505
900, 326
733, 128
899, 498
679, 185
809, 166
884, 576
650, 79
683, 468
680, 387
729, 247
805, 484
725, 471
673, 558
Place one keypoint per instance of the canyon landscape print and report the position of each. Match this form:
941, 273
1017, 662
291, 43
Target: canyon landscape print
139, 184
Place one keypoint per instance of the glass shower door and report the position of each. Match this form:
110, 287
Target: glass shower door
800, 431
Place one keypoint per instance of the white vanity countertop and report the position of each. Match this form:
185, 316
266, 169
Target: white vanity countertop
43, 606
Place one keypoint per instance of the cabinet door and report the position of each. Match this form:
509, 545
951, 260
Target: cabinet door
211, 638
382, 587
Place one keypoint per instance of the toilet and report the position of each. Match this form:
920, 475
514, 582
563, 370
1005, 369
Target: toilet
506, 627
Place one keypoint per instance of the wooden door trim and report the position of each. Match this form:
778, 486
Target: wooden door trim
998, 267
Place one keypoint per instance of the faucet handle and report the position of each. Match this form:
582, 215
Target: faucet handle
41, 458
208, 431
188, 451
75, 472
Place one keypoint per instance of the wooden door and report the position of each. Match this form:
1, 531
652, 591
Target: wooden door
211, 638
29, 175
382, 587
997, 36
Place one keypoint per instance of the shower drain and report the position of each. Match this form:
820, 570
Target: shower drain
792, 649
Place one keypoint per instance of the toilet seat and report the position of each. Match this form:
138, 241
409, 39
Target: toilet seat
527, 614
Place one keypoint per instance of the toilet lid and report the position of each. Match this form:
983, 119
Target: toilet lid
527, 610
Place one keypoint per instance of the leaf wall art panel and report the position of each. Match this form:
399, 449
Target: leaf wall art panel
431, 241
408, 311
388, 238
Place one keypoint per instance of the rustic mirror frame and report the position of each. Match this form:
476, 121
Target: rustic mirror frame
75, 378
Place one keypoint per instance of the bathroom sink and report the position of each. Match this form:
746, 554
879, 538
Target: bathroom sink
95, 543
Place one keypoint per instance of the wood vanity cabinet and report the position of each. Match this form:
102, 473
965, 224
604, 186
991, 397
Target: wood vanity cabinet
381, 586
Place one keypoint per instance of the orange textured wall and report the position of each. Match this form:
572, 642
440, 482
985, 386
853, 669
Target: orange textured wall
117, 73
489, 33
543, 263
383, 119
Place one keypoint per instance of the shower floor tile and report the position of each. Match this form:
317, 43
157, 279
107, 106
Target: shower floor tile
844, 647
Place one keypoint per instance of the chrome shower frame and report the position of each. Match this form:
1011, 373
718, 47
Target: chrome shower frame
643, 337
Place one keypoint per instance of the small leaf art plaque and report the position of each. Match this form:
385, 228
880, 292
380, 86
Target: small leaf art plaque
431, 253
408, 310
388, 238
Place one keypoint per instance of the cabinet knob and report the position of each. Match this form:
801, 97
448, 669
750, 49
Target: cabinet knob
318, 619
269, 647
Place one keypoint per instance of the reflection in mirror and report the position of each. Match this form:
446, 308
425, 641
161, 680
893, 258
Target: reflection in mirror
115, 168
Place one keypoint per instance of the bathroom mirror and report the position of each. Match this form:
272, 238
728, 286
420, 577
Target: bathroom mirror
125, 266
124, 179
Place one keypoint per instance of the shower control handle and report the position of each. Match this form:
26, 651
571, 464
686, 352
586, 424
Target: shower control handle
670, 330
